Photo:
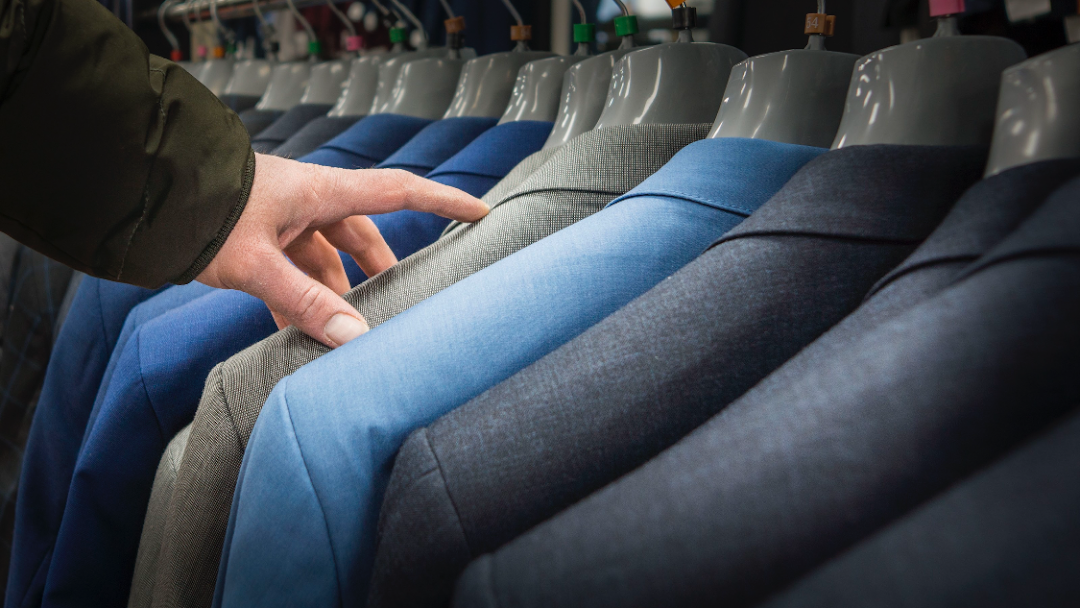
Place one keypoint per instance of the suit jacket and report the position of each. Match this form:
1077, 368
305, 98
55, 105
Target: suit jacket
74, 373
826, 450
631, 386
577, 181
368, 142
532, 301
153, 529
38, 286
437, 142
314, 134
1006, 536
287, 125
472, 169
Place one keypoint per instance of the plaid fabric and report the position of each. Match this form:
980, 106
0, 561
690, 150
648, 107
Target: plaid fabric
579, 179
38, 287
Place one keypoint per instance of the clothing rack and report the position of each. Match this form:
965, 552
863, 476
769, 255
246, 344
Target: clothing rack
233, 9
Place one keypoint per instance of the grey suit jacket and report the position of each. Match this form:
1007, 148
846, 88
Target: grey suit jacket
1006, 537
827, 449
631, 386
577, 181
142, 582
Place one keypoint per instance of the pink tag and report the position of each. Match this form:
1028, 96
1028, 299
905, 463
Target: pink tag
946, 7
201, 52
354, 43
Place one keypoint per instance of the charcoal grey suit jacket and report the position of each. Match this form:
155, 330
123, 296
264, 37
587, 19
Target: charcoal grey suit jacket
838, 442
578, 179
638, 381
1007, 536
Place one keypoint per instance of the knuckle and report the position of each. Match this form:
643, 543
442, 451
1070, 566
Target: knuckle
309, 304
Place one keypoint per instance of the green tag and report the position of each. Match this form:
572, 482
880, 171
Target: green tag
314, 48
626, 25
584, 32
397, 34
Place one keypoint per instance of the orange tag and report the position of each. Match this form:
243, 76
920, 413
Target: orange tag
817, 23
219, 52
830, 25
455, 25
675, 3
520, 32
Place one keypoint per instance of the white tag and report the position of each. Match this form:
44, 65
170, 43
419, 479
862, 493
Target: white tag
1072, 28
1019, 10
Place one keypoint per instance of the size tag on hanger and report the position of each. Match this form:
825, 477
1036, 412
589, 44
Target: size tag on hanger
1072, 28
1021, 10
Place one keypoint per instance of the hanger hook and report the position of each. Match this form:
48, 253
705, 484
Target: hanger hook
269, 33
229, 35
412, 18
303, 22
173, 42
514, 12
448, 9
340, 15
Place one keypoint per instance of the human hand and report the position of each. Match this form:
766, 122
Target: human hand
307, 212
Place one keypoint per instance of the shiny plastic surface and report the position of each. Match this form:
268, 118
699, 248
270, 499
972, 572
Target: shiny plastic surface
584, 90
216, 74
390, 69
324, 83
794, 97
487, 82
1038, 111
424, 88
934, 91
538, 88
359, 89
249, 77
676, 83
287, 85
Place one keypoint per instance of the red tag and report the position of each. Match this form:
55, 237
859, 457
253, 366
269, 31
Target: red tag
939, 8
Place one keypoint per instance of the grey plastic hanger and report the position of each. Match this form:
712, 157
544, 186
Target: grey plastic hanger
218, 70
1037, 116
251, 76
794, 97
289, 81
936, 91
538, 87
487, 82
585, 85
676, 83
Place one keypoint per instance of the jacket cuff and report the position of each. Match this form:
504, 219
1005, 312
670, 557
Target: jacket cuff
215, 245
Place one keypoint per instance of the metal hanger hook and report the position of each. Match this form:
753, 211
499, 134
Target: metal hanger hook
513, 12
340, 15
412, 18
173, 42
303, 22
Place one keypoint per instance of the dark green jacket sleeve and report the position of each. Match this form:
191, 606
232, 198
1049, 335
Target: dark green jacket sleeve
113, 161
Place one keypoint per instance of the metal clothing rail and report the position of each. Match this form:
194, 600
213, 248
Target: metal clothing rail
234, 9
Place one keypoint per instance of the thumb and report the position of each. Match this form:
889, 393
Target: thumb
304, 302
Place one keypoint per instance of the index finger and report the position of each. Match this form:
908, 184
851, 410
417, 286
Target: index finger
341, 193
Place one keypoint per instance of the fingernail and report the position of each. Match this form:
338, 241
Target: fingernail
342, 328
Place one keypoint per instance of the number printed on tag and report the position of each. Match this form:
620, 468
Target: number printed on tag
1019, 10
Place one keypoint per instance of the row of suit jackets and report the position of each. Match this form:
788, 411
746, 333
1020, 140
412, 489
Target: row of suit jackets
532, 384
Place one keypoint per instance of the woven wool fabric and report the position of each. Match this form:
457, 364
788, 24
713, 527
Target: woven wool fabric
400, 231
548, 436
38, 288
368, 142
287, 125
579, 180
828, 449
533, 301
153, 530
1004, 537
255, 120
80, 361
314, 134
